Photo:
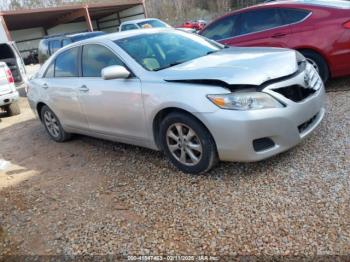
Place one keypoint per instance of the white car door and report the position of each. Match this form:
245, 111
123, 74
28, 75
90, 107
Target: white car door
112, 107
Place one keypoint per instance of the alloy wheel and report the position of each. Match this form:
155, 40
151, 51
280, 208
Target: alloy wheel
52, 124
184, 144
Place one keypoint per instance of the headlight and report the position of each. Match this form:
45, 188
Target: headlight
245, 101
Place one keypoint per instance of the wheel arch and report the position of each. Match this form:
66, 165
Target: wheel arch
39, 106
165, 112
318, 52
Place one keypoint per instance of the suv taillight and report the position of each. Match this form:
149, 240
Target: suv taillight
347, 25
9, 76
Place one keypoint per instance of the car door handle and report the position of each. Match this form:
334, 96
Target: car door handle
84, 88
278, 35
45, 86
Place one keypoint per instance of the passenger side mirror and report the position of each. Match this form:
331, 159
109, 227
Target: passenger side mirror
115, 72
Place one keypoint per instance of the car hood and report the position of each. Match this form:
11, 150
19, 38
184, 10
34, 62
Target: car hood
236, 66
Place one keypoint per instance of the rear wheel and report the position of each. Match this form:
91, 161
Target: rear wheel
187, 143
318, 62
53, 125
13, 109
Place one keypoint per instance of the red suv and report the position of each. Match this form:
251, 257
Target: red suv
319, 29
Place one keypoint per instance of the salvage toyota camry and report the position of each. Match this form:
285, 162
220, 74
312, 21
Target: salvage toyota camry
190, 97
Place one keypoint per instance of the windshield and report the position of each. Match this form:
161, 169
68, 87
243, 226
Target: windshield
152, 24
158, 51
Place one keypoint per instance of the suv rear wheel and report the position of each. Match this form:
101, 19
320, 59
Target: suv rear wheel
13, 109
187, 143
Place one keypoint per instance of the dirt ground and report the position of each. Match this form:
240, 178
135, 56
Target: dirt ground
89, 196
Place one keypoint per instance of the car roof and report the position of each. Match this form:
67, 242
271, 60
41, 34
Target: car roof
72, 35
139, 21
126, 34
310, 3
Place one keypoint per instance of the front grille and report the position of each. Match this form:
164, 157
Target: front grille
298, 93
295, 93
307, 124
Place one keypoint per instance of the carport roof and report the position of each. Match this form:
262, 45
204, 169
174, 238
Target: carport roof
48, 17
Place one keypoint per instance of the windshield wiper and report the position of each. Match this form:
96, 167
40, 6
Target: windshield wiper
212, 52
170, 65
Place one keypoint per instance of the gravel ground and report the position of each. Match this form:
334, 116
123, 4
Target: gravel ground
90, 196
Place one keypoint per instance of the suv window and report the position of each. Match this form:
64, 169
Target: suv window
54, 46
66, 63
224, 28
291, 16
129, 27
260, 20
97, 57
66, 42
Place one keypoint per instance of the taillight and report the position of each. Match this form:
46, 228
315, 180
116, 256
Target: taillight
347, 25
9, 76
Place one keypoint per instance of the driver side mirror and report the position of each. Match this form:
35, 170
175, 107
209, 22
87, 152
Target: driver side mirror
115, 72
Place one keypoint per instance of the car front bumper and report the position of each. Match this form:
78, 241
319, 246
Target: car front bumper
9, 98
235, 131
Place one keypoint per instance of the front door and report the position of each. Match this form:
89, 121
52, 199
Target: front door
112, 107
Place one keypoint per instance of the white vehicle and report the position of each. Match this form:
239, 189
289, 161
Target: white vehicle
8, 93
143, 23
150, 23
11, 56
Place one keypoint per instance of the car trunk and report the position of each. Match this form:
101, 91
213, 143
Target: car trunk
7, 55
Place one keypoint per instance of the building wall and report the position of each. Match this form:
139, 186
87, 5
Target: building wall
28, 39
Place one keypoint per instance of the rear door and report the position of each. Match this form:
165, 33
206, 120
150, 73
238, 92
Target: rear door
61, 82
261, 27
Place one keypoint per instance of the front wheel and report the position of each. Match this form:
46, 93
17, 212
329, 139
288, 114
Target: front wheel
318, 62
187, 143
53, 125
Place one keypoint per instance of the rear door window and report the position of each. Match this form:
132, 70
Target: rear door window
97, 57
222, 29
66, 64
291, 16
260, 20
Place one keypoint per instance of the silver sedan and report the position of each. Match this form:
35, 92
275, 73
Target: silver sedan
190, 97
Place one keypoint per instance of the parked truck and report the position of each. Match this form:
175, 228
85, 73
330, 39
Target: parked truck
11, 56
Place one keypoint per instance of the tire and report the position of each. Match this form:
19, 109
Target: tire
13, 109
53, 125
198, 146
319, 62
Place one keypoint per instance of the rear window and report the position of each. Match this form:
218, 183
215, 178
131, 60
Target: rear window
291, 16
329, 3
152, 23
6, 51
128, 27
